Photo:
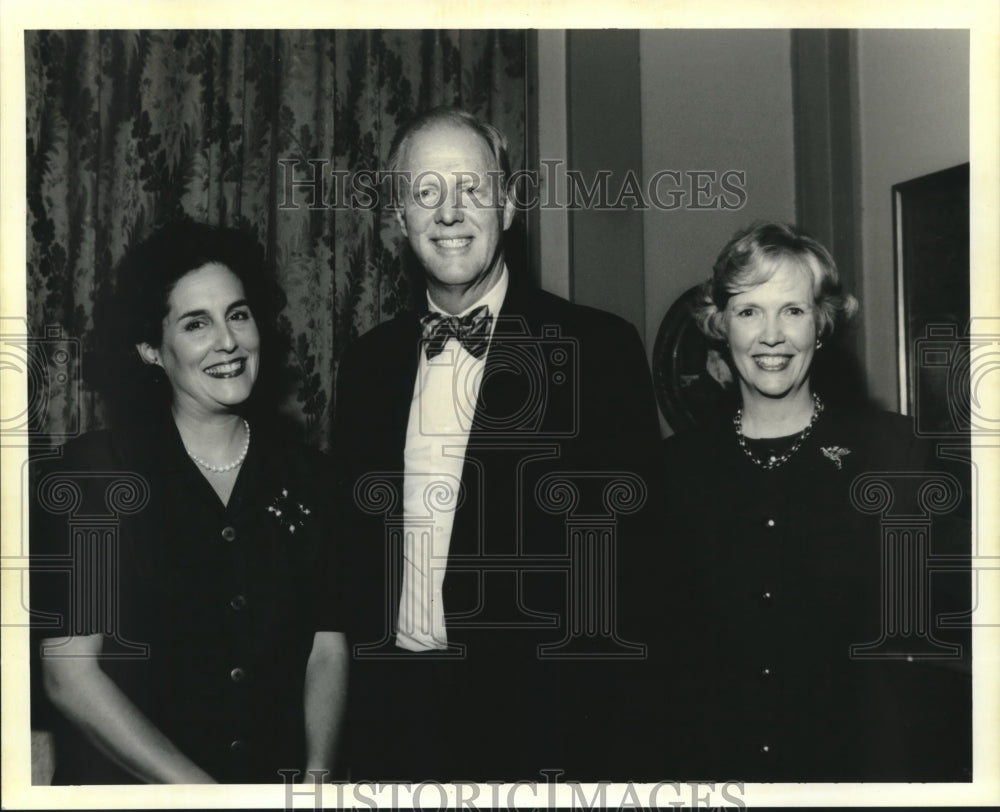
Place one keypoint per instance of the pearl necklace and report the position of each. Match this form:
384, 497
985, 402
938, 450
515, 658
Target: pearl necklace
221, 469
774, 462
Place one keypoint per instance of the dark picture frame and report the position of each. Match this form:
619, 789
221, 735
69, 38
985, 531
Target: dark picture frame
931, 250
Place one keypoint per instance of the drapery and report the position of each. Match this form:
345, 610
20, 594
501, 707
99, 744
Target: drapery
255, 129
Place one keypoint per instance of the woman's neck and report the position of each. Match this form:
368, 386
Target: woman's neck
210, 436
776, 417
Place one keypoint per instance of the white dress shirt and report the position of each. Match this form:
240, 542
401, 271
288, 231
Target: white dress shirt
445, 396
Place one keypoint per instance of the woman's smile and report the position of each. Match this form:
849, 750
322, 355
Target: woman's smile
229, 369
772, 363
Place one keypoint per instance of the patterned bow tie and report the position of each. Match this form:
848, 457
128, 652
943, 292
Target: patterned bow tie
472, 330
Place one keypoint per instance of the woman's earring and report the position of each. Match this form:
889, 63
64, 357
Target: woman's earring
818, 343
148, 354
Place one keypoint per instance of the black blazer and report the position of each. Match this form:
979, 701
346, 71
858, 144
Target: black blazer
214, 606
785, 572
566, 394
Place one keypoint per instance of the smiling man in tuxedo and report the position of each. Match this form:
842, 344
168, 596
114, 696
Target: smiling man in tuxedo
490, 450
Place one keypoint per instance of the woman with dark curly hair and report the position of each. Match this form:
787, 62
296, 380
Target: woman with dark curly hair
197, 642
782, 566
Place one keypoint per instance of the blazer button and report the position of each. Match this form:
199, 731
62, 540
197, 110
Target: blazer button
238, 603
766, 598
765, 672
237, 745
237, 675
765, 749
769, 523
229, 533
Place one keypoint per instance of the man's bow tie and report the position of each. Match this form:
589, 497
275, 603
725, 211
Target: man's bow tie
472, 330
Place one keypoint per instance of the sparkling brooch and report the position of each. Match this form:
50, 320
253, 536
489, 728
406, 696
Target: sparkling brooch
836, 453
290, 514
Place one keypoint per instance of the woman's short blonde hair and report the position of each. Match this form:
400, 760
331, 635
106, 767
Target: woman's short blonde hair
752, 256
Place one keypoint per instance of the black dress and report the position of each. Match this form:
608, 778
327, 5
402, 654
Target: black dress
774, 576
208, 611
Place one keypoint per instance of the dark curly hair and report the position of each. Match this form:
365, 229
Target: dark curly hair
145, 278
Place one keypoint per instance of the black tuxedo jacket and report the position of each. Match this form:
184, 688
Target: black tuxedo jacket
564, 431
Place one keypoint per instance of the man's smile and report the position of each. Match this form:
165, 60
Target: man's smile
449, 243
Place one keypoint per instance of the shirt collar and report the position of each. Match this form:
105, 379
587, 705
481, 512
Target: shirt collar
493, 298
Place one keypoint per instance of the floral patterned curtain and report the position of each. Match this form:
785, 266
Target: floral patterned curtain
128, 128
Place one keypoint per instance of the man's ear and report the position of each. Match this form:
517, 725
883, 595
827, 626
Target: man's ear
401, 220
508, 212
148, 353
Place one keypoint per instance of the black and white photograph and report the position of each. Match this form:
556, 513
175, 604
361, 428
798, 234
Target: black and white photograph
557, 409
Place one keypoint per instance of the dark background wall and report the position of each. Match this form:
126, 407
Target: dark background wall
822, 123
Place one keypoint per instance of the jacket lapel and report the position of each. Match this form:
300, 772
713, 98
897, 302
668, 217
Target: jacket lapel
507, 378
397, 373
509, 388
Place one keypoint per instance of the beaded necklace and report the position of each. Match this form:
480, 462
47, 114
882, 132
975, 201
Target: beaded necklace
775, 461
221, 469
